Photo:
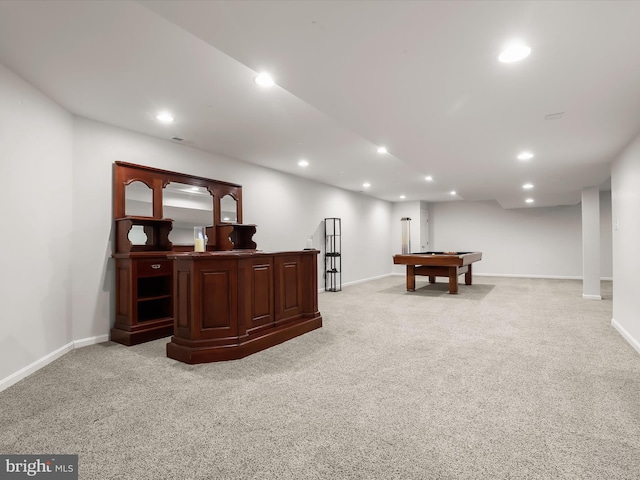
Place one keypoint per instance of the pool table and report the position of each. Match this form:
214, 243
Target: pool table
438, 264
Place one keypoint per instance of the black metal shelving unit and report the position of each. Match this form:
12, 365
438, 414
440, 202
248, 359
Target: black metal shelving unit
332, 255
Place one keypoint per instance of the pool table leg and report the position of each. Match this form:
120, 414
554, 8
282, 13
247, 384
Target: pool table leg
432, 279
467, 276
453, 280
411, 278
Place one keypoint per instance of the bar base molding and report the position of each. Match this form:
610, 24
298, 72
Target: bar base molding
198, 353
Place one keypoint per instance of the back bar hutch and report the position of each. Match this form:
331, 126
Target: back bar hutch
227, 302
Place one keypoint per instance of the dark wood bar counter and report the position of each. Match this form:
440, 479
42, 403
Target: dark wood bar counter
231, 304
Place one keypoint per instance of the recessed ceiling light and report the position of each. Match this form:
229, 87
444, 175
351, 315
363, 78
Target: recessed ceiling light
514, 53
403, 196
429, 178
303, 163
529, 200
453, 192
366, 184
382, 149
527, 186
264, 80
165, 117
525, 156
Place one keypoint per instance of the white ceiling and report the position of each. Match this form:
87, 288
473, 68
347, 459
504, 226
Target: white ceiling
421, 78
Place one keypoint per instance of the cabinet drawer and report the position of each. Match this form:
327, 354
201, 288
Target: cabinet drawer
154, 267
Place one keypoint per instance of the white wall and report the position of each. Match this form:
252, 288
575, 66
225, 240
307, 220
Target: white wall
403, 210
625, 187
590, 209
413, 211
545, 242
286, 209
606, 248
36, 138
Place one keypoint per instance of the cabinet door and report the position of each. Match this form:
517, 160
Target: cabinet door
289, 287
215, 293
256, 294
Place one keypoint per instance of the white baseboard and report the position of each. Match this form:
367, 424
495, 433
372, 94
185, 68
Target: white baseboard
553, 277
47, 359
508, 275
626, 335
366, 279
517, 275
35, 366
320, 290
85, 342
591, 297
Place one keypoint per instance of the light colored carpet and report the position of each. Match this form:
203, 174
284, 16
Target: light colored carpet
510, 379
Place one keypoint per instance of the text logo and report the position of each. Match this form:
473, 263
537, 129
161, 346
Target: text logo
50, 467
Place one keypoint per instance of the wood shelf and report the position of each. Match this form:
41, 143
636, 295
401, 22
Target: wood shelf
156, 230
